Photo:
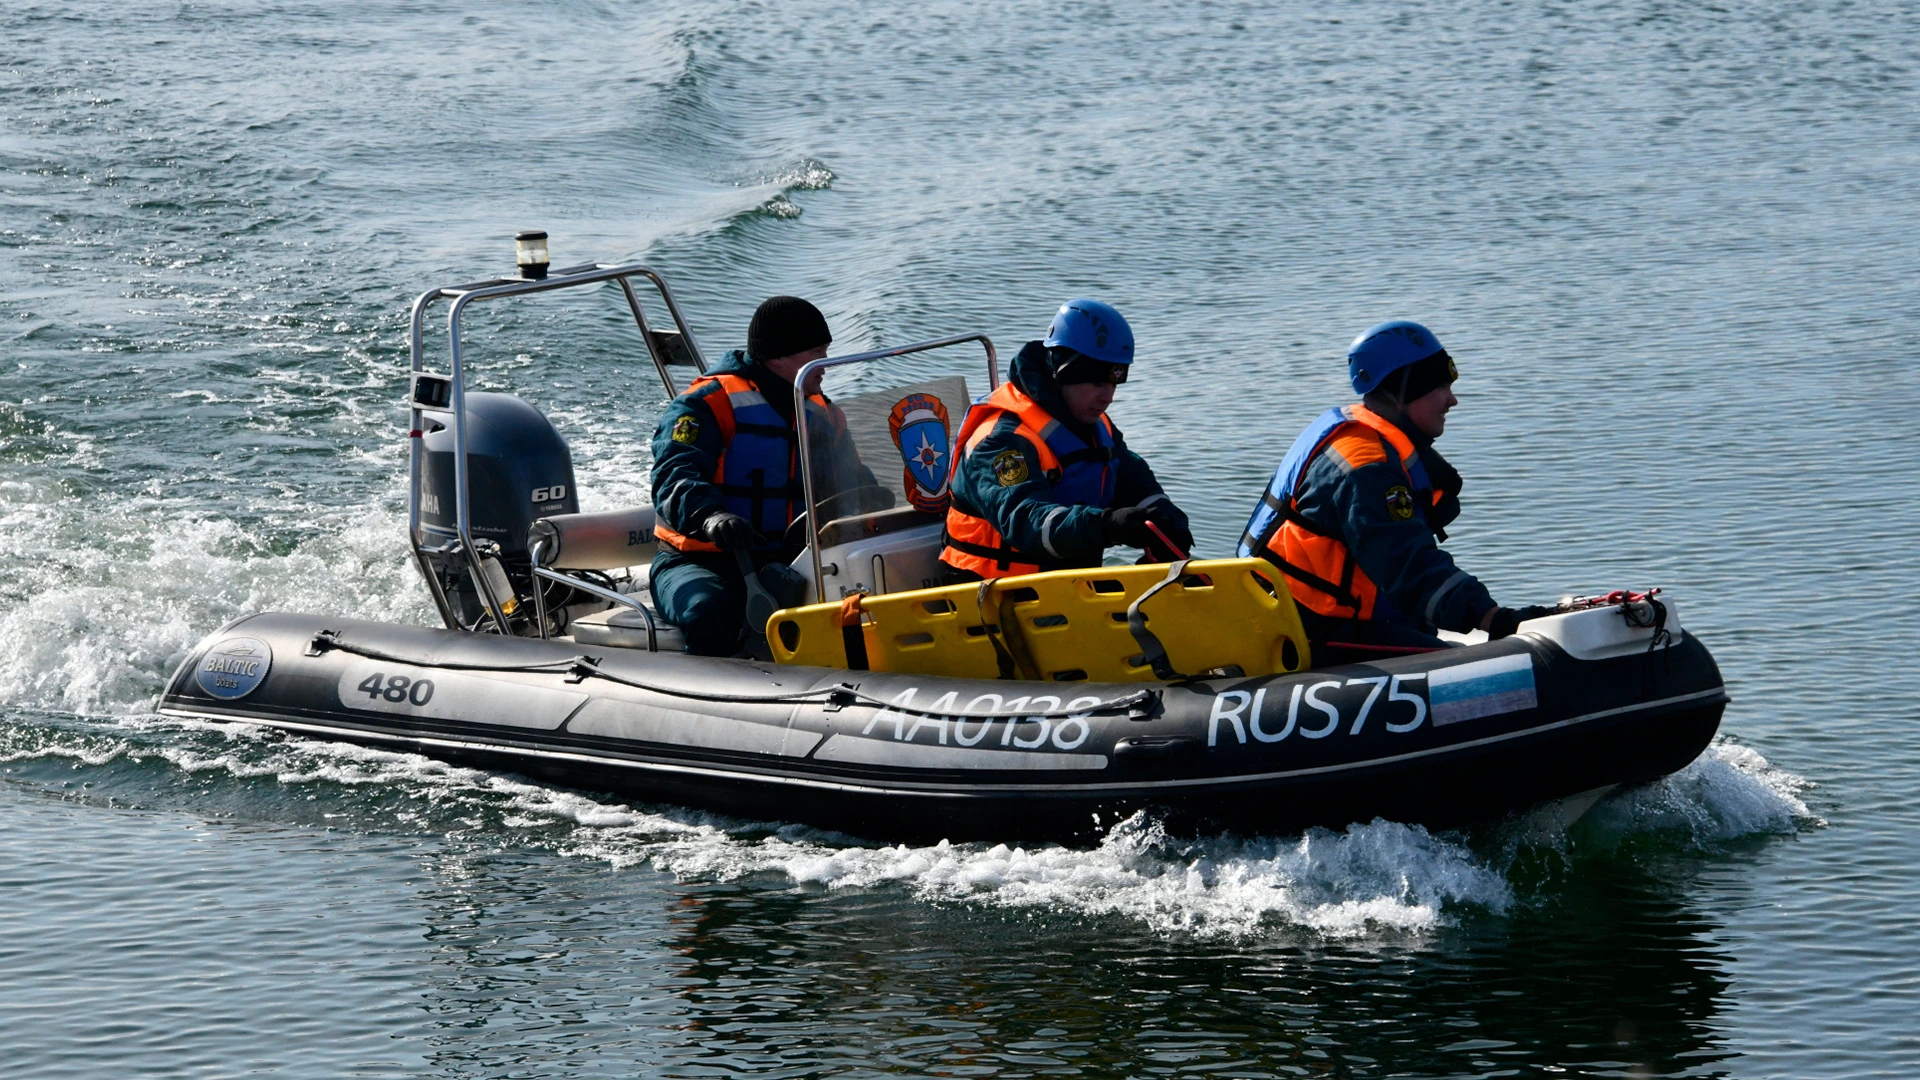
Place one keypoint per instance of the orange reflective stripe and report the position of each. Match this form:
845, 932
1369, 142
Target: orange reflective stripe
1357, 449
680, 541
1388, 430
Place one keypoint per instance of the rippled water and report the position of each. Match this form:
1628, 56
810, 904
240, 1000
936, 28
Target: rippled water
1671, 245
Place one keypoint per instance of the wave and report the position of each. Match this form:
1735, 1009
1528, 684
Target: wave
806, 174
113, 602
1378, 880
1729, 792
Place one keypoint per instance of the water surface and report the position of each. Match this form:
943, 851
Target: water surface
1670, 244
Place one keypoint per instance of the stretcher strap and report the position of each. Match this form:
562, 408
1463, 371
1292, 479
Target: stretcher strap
1008, 668
851, 636
1151, 650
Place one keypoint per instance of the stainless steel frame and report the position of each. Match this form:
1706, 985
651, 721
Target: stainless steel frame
800, 422
612, 597
496, 289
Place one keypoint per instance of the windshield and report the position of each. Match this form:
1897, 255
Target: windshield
890, 450
904, 438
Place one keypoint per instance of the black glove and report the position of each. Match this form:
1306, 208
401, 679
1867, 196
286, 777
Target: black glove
730, 532
1507, 620
1126, 525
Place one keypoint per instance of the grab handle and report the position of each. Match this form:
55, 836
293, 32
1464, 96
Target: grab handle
1178, 555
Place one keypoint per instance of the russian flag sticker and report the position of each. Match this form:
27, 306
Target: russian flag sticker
1482, 688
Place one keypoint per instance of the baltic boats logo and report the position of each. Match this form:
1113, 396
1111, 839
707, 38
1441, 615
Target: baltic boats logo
234, 668
924, 438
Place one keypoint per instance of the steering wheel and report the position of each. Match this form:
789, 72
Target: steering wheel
865, 499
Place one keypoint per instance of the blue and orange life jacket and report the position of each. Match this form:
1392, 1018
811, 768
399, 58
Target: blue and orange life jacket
1324, 576
758, 473
1081, 473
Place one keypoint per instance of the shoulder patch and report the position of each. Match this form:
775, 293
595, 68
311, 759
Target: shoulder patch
1010, 468
686, 429
1400, 503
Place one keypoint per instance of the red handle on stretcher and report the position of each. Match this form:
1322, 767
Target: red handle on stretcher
1171, 546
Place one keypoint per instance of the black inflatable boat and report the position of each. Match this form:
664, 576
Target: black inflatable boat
552, 664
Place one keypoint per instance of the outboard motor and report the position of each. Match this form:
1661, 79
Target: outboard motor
518, 470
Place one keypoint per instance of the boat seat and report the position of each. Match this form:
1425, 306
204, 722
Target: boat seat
625, 628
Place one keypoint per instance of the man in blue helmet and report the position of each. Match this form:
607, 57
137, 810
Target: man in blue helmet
1356, 510
1043, 479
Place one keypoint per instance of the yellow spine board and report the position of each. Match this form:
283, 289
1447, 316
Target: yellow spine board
1064, 625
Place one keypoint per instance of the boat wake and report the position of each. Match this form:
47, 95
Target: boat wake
106, 624
1374, 879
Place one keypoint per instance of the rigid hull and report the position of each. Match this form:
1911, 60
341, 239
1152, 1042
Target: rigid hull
1438, 738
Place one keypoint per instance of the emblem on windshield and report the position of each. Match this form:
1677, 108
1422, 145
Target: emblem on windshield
924, 438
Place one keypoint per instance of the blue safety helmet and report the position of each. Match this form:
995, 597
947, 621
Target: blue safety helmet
1093, 329
1387, 348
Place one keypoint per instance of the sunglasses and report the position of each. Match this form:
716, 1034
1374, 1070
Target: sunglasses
1085, 369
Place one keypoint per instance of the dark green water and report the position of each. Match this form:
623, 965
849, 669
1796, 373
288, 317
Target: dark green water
1672, 246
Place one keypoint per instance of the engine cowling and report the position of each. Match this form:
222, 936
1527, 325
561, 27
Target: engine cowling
519, 469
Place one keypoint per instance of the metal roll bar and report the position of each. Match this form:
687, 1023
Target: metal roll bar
496, 289
540, 597
800, 381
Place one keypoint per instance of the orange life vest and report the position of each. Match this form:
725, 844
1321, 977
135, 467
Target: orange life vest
1324, 576
758, 472
1082, 474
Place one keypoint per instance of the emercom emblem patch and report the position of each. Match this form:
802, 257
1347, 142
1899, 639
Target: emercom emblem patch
1010, 468
1400, 503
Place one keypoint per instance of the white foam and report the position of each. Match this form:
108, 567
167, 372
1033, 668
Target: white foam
1381, 876
115, 595
1728, 792
1367, 880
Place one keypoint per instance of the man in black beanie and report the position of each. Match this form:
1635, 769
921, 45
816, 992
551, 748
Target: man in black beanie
726, 474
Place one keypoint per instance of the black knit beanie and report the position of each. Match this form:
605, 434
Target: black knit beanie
1423, 377
785, 325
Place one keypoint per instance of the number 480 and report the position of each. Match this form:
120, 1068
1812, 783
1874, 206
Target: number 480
397, 688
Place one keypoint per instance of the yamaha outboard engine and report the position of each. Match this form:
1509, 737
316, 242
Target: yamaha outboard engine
518, 469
